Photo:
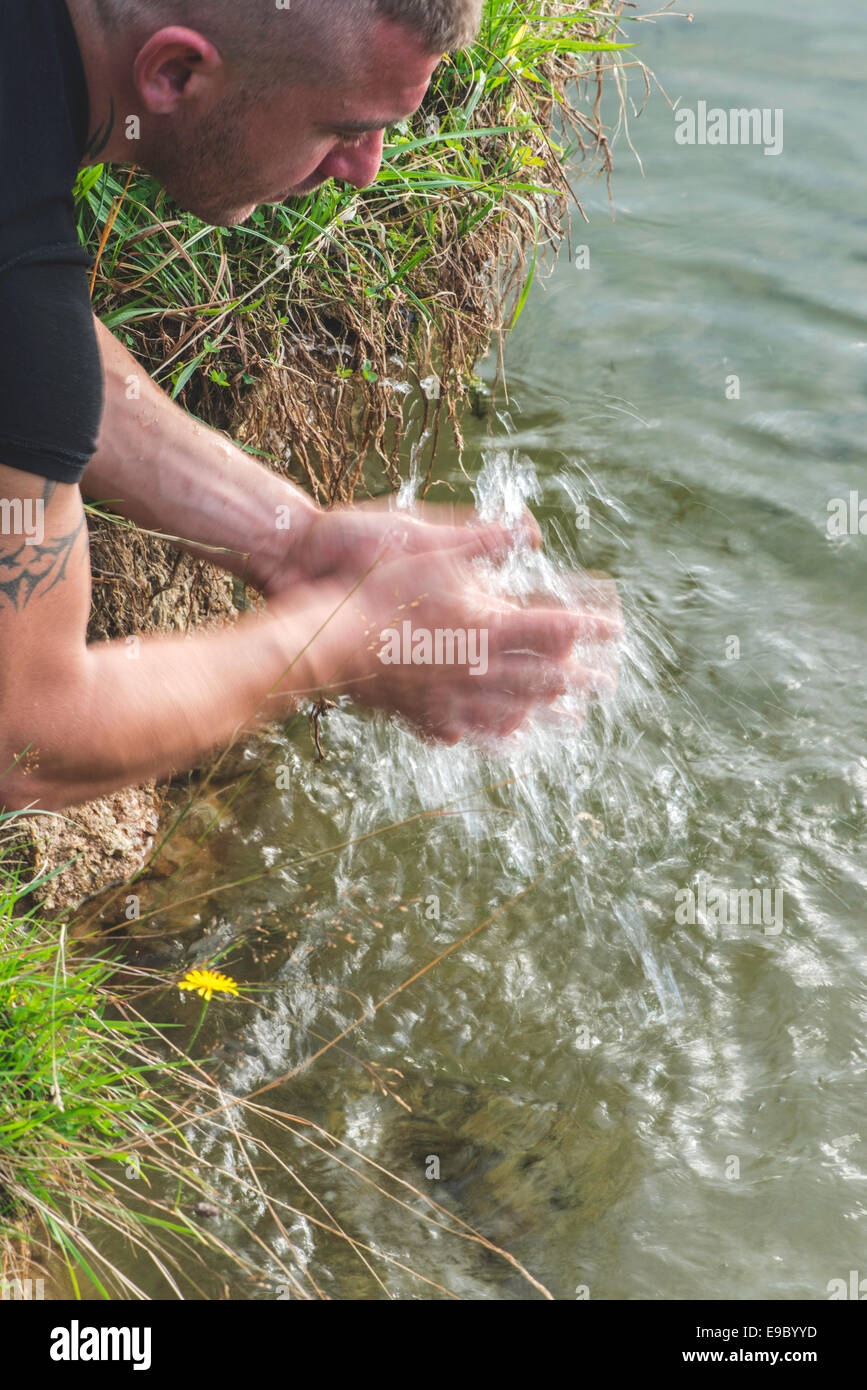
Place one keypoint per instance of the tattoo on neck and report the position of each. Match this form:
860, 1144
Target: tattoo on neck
100, 137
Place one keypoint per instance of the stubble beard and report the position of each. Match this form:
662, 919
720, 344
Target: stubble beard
210, 166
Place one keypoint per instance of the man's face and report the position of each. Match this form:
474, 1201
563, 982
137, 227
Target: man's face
222, 164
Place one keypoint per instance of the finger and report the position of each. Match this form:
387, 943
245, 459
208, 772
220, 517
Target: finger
592, 590
584, 592
460, 518
590, 680
569, 720
493, 541
525, 676
522, 676
535, 679
549, 631
459, 530
500, 722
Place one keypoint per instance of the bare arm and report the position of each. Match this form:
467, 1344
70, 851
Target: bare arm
77, 721
167, 472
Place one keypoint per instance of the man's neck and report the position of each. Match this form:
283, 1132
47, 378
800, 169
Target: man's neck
107, 139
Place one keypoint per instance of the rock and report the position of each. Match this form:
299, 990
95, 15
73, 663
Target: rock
109, 839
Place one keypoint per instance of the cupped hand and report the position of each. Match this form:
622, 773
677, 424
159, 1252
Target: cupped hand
420, 636
344, 541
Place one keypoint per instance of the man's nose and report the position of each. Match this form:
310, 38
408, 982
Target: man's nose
357, 164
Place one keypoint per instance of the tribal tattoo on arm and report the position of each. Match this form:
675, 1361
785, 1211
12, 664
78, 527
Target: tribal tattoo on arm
40, 568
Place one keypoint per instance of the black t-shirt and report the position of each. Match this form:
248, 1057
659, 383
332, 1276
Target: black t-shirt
51, 389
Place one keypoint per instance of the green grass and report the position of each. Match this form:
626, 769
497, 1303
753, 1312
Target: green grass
78, 1114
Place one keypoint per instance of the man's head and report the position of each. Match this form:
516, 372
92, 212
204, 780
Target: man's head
243, 102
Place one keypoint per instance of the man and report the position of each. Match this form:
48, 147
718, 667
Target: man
235, 102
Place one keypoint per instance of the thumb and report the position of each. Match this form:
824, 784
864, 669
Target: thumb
494, 540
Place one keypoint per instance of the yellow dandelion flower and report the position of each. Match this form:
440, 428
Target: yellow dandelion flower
208, 982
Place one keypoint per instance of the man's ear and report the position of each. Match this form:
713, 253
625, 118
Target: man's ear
175, 64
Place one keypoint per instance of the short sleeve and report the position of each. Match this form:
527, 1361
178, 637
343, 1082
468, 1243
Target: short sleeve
51, 386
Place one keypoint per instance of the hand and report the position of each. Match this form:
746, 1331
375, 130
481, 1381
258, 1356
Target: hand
506, 659
344, 541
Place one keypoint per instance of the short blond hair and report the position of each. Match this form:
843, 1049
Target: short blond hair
277, 45
446, 25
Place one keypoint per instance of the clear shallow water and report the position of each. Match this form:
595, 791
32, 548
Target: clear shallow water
589, 1070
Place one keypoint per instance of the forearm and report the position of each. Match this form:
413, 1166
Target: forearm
161, 468
124, 714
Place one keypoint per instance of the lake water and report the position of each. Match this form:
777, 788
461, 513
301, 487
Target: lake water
629, 1102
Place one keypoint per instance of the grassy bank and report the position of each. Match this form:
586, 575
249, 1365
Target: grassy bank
337, 339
